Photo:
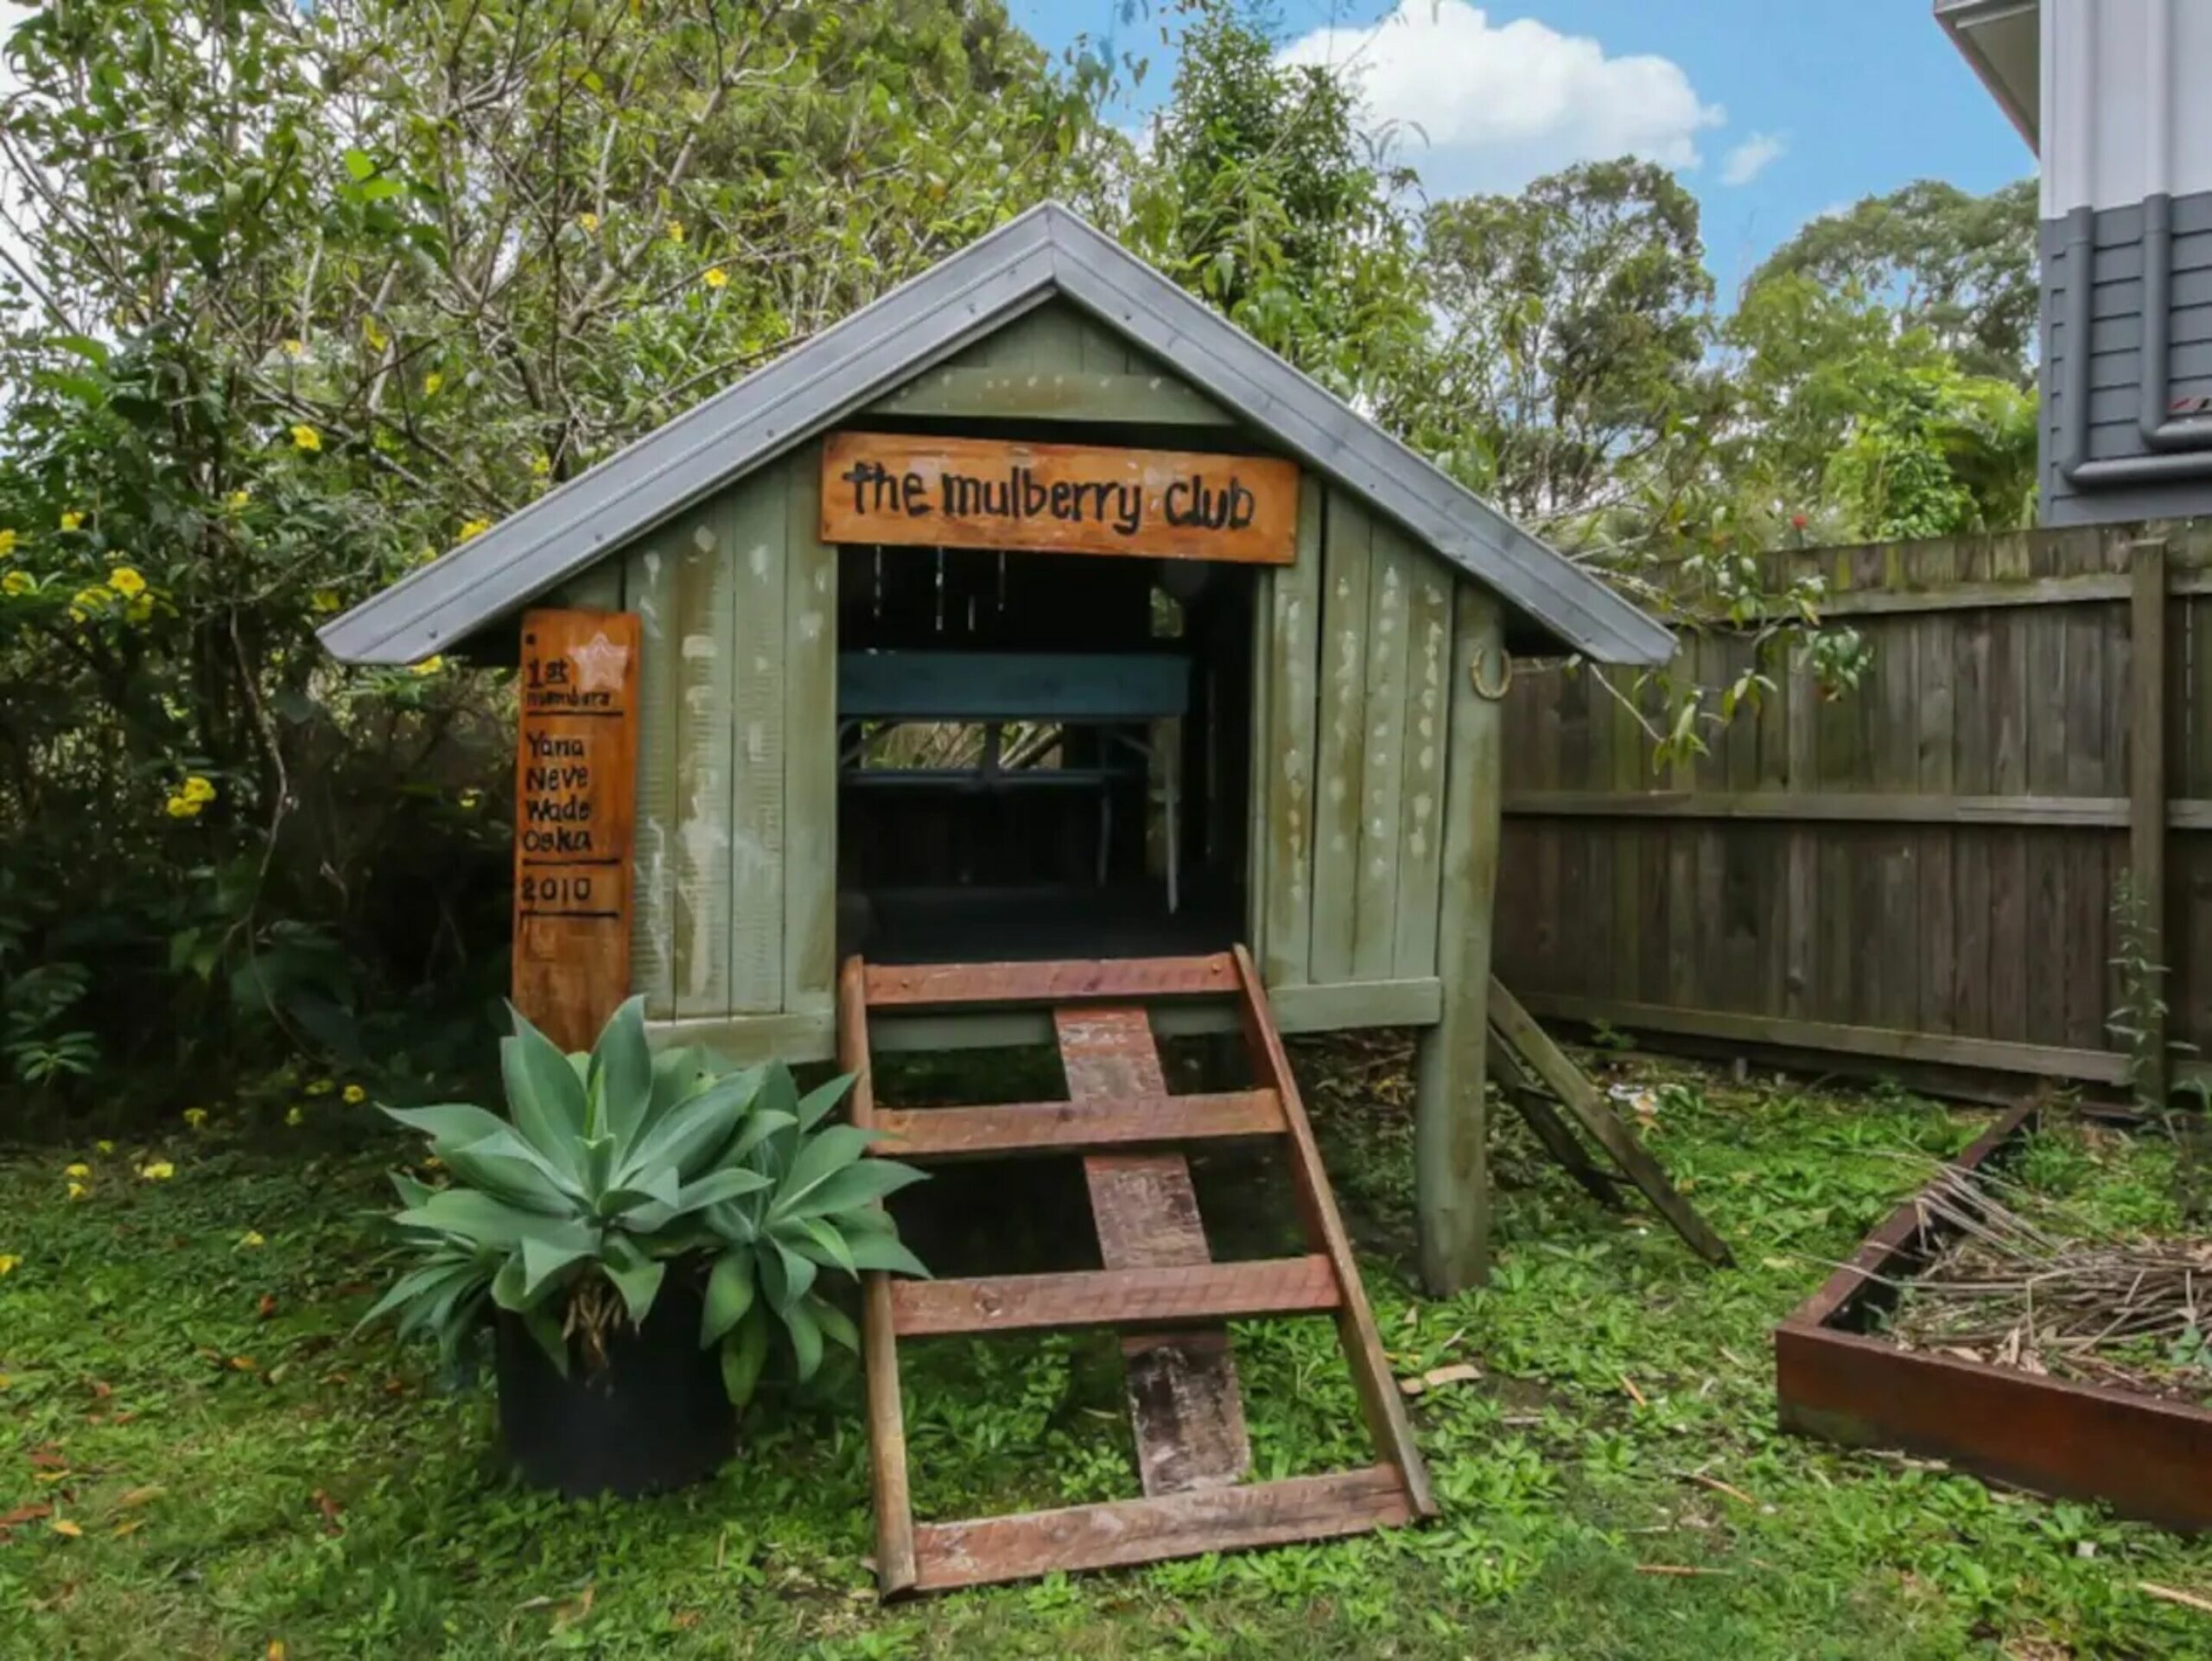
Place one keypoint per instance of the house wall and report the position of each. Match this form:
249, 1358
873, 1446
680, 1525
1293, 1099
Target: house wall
735, 867
2122, 129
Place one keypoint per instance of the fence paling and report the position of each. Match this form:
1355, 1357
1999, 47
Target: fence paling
1923, 870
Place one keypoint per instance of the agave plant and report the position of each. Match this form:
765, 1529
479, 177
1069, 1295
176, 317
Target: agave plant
613, 1167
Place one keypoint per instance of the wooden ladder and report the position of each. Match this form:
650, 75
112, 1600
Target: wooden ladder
1160, 1286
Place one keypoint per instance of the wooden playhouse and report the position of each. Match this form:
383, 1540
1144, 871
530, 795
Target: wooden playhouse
1056, 659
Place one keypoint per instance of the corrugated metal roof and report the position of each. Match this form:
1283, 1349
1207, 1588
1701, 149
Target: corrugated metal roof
1048, 251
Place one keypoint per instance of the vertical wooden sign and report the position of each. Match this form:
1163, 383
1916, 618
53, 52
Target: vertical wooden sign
576, 805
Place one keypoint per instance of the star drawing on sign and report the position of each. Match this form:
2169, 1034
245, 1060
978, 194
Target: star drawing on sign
599, 664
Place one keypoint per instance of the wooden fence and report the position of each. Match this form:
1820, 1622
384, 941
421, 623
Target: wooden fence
1920, 871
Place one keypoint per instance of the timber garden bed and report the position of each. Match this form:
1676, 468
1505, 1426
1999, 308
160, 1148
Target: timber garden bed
236, 1467
2136, 1443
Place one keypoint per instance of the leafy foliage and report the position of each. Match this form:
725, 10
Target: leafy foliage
611, 1167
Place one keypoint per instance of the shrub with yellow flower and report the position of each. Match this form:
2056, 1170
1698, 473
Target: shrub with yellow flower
431, 383
305, 438
474, 528
324, 601
717, 278
196, 788
77, 1191
239, 499
589, 221
17, 583
676, 232
353, 1095
8, 1261
126, 581
295, 1114
138, 608
372, 331
72, 521
541, 465
295, 348
157, 1170
7, 544
251, 1239
430, 666
103, 1146
321, 1087
79, 1169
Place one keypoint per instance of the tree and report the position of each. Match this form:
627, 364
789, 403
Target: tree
1959, 266
1266, 195
1571, 322
303, 295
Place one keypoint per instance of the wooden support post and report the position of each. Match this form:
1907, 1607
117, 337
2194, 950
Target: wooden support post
886, 1419
2146, 782
1451, 1156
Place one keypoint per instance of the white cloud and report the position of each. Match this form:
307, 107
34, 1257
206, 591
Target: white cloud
1751, 158
1499, 103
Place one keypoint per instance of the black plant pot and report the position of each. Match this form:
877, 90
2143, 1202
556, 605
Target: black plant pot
654, 1417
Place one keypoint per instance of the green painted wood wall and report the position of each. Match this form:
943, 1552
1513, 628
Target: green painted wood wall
735, 899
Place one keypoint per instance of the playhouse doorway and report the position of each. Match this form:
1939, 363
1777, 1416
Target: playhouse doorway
1041, 756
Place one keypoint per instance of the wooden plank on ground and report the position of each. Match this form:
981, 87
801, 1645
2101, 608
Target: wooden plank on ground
1189, 1295
1516, 1027
953, 1554
1379, 1397
1120, 979
1185, 1404
1525, 1095
887, 1424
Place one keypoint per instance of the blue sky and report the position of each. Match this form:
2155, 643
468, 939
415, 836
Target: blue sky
1772, 111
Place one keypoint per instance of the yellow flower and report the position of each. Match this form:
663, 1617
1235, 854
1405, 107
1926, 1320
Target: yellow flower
295, 348
717, 278
676, 230
589, 221
196, 1117
325, 600
17, 583
307, 438
321, 1087
251, 1239
79, 1169
104, 1146
8, 1261
139, 609
179, 808
353, 1095
72, 521
541, 465
197, 789
239, 499
294, 1116
91, 599
77, 1191
157, 1170
430, 666
474, 528
431, 382
374, 333
471, 799
7, 544
126, 581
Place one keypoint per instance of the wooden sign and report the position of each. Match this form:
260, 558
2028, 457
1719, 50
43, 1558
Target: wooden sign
575, 803
1058, 499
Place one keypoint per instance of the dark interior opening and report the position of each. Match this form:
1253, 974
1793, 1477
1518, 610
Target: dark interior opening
1040, 756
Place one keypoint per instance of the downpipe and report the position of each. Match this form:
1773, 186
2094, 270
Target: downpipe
2187, 443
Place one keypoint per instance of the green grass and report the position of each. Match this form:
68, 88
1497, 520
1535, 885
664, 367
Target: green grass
242, 1469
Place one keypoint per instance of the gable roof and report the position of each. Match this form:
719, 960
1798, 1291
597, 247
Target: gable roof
1047, 251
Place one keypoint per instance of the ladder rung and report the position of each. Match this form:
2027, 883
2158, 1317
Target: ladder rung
1075, 1127
907, 986
1185, 1294
950, 1555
